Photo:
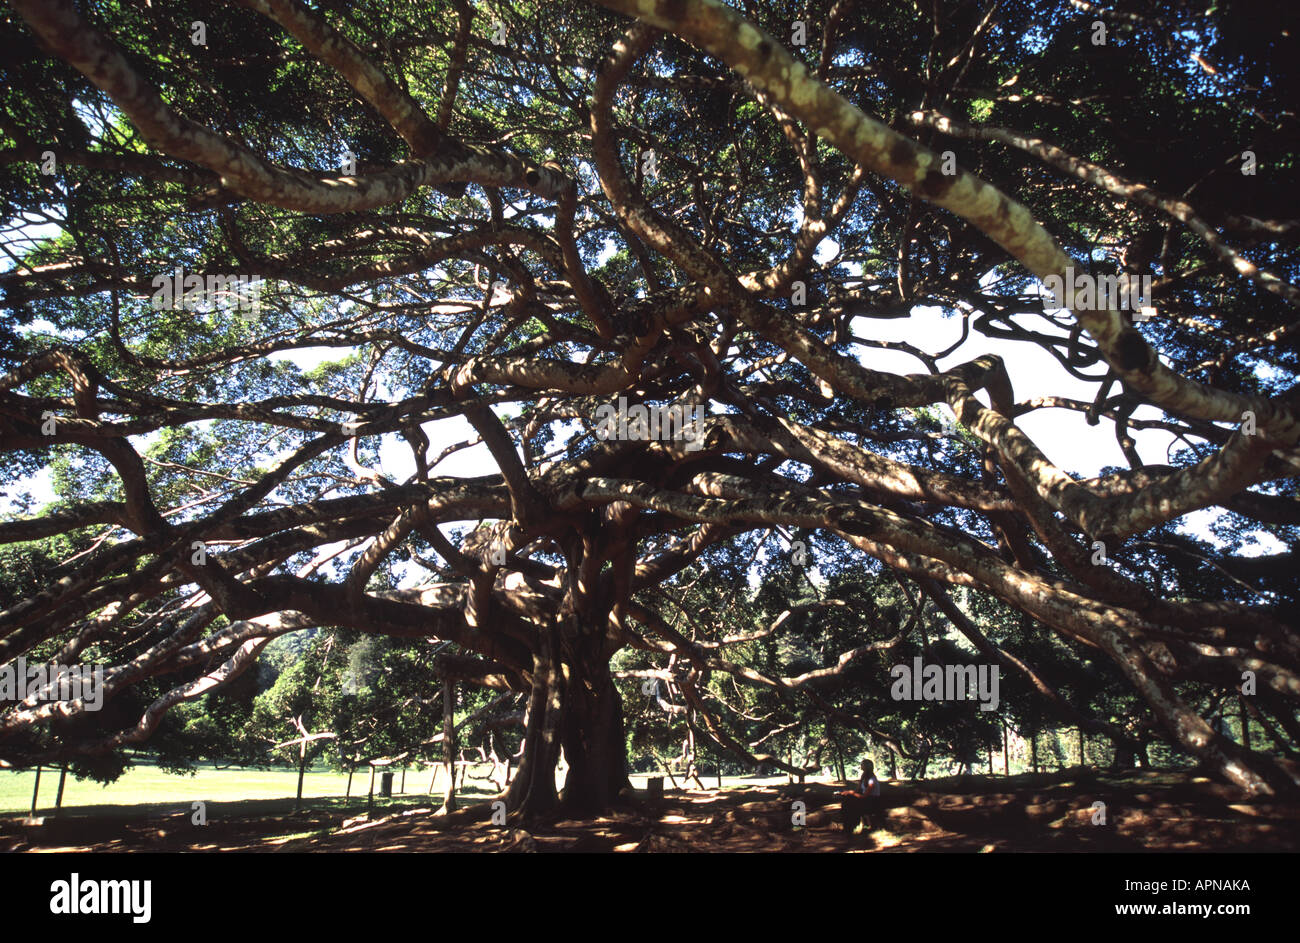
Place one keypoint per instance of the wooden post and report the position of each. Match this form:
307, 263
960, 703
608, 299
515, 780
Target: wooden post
1006, 751
449, 742
36, 789
63, 776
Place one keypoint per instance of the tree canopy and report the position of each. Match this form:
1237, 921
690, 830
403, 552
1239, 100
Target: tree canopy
317, 316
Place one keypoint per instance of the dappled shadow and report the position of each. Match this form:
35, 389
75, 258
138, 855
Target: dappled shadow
1145, 811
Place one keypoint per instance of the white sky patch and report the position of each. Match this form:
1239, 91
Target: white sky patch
1063, 434
41, 326
398, 463
607, 252
308, 359
1256, 543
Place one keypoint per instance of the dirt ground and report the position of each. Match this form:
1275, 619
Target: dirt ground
1144, 811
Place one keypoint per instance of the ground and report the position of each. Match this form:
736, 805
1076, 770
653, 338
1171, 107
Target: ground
1145, 810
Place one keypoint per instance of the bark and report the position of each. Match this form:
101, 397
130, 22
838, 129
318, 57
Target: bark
575, 705
1125, 755
302, 769
921, 768
593, 736
532, 794
449, 742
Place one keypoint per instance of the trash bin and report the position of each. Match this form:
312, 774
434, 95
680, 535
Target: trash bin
386, 784
654, 787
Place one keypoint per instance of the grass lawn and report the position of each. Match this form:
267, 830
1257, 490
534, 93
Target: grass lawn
145, 784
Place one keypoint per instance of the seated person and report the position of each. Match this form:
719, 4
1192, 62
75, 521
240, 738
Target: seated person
861, 805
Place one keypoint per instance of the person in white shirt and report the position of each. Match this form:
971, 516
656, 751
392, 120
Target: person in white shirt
869, 789
861, 805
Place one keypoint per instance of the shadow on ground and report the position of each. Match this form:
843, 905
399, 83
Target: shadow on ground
1145, 810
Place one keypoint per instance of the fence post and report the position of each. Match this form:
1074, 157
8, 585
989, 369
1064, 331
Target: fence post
36, 789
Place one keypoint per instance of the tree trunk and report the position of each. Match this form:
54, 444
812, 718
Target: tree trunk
449, 742
592, 732
574, 704
688, 751
1006, 751
348, 794
1245, 722
1033, 751
63, 777
532, 793
36, 791
302, 768
1125, 756
922, 766
1082, 760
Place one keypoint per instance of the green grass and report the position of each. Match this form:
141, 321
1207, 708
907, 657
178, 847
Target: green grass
144, 785
147, 785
